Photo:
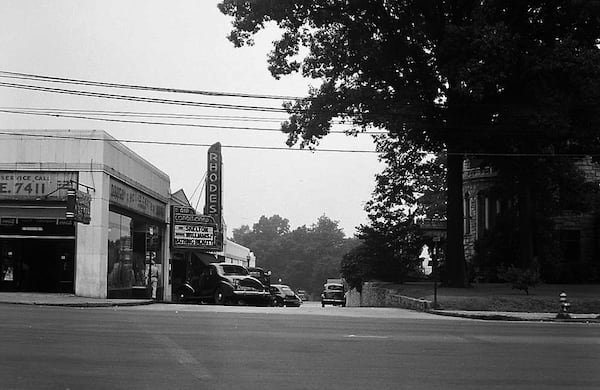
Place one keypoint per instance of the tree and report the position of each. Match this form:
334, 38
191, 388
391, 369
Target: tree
303, 258
468, 77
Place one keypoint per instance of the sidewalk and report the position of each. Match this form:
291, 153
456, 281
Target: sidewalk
42, 299
517, 316
57, 299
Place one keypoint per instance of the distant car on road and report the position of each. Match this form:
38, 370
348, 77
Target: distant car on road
333, 294
284, 296
302, 294
224, 283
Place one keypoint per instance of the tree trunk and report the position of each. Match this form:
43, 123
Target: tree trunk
455, 254
525, 225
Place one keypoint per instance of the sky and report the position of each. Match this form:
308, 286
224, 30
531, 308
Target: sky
183, 45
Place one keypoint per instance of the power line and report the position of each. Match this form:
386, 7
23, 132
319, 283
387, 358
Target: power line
143, 99
34, 77
55, 136
476, 154
58, 114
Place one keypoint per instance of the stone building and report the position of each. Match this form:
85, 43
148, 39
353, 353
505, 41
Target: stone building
576, 233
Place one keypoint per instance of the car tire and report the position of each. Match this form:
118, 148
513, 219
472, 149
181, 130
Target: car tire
219, 296
322, 304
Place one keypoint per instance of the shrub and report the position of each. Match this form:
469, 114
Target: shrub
520, 278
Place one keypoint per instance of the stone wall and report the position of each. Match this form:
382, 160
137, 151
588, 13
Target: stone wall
375, 295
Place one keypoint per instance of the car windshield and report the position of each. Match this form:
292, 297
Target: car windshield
230, 269
338, 287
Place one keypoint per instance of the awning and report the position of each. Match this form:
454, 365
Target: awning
205, 258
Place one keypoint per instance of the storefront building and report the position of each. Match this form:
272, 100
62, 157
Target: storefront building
81, 213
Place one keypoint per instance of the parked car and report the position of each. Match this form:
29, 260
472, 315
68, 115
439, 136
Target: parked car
333, 294
263, 276
284, 296
224, 283
302, 294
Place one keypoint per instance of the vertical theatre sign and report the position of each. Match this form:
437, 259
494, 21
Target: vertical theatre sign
214, 194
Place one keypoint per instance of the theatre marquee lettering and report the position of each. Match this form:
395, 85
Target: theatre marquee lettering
191, 230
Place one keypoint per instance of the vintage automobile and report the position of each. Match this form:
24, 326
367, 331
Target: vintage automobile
259, 273
302, 294
223, 283
333, 294
284, 296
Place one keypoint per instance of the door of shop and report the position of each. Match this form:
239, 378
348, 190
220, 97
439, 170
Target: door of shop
37, 265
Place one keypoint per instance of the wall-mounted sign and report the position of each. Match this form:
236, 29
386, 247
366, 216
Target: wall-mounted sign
193, 231
36, 185
78, 206
128, 197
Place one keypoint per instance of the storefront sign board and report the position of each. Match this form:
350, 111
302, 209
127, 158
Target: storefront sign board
130, 198
21, 185
193, 231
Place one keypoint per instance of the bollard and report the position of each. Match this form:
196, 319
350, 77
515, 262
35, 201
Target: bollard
564, 306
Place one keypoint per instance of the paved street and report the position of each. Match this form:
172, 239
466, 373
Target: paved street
166, 346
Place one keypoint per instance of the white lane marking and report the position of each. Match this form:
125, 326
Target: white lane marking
365, 336
183, 357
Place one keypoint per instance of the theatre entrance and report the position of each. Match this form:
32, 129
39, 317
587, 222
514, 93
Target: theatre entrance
37, 264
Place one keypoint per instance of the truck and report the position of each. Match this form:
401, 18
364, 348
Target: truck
333, 293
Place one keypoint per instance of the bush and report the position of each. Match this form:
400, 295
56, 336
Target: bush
520, 278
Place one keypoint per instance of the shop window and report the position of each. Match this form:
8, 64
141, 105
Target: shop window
121, 275
134, 261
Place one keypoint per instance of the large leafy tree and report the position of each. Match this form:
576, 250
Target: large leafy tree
410, 189
304, 257
470, 77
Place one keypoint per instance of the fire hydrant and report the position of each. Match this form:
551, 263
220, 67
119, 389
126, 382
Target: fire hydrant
564, 306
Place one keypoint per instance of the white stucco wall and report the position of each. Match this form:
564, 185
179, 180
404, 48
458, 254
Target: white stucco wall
96, 156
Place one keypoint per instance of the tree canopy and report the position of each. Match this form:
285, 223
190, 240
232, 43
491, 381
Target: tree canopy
489, 77
303, 258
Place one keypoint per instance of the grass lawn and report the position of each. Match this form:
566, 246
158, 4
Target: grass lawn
500, 297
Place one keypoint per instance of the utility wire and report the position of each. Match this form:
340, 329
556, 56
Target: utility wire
160, 115
59, 115
34, 77
475, 154
15, 133
143, 99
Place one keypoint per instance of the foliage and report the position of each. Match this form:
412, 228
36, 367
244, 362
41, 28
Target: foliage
303, 258
520, 278
472, 77
557, 187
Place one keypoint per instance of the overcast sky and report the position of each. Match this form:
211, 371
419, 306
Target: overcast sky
182, 44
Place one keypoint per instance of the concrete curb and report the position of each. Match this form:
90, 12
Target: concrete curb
506, 317
79, 304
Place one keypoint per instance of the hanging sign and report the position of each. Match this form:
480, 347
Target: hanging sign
78, 206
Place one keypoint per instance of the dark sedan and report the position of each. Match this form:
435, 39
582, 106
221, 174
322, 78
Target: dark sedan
284, 296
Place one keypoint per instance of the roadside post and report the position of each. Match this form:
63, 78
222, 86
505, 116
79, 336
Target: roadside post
434, 264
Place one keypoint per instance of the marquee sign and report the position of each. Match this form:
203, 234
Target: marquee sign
193, 231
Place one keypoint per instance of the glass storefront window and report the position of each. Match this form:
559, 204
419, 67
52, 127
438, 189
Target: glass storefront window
134, 261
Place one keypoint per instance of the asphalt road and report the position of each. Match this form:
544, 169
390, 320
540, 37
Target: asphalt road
212, 347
